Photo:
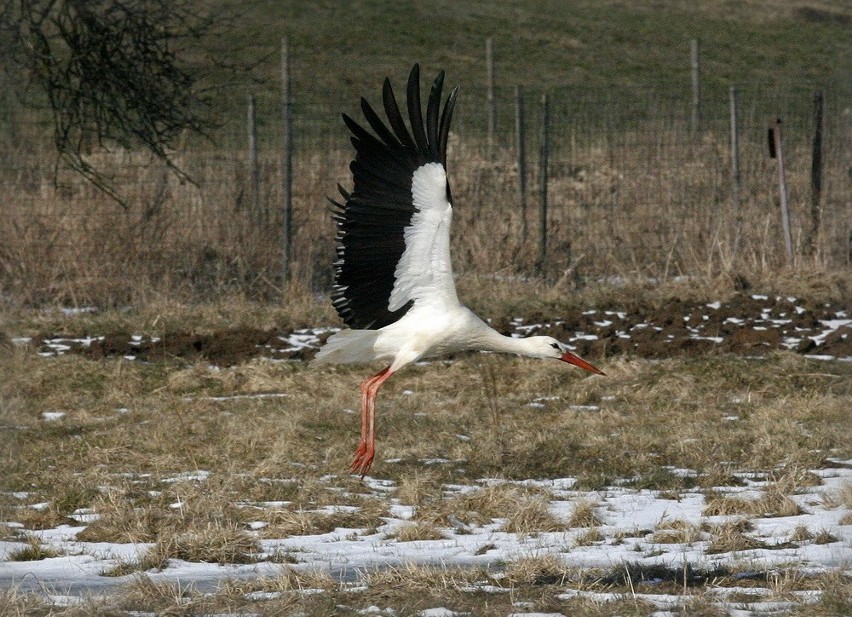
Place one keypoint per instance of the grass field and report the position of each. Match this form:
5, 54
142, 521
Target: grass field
699, 483
501, 485
620, 47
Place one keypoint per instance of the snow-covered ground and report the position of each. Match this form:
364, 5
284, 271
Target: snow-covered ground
628, 519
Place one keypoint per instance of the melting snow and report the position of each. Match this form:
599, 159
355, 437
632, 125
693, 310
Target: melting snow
623, 512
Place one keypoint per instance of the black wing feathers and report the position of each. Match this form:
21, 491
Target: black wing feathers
415, 115
395, 118
444, 130
372, 221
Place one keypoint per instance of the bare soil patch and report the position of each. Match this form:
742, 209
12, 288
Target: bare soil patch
744, 325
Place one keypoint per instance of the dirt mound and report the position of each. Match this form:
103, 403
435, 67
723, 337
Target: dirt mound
223, 348
747, 325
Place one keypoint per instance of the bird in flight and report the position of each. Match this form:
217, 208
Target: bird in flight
393, 283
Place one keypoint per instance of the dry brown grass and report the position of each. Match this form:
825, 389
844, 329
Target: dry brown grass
731, 536
676, 532
34, 550
840, 497
215, 543
823, 536
283, 461
416, 531
634, 209
285, 522
541, 570
801, 534
419, 488
525, 509
588, 537
584, 514
278, 449
773, 502
412, 578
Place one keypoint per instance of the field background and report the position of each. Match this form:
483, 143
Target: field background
136, 472
634, 193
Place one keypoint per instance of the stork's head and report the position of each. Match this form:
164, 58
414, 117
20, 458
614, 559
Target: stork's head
549, 347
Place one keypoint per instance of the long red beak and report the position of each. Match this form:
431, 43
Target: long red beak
578, 361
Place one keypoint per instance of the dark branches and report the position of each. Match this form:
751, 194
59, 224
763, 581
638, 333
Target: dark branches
113, 73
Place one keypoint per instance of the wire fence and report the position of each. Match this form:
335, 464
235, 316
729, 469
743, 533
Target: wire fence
635, 187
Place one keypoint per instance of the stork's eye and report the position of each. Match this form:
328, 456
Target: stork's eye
555, 345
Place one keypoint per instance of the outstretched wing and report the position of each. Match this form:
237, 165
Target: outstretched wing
394, 227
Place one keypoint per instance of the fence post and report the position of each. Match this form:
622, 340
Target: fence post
489, 87
696, 86
254, 171
544, 158
287, 162
816, 171
522, 156
735, 148
776, 152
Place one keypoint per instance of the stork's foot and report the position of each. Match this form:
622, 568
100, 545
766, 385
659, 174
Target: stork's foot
363, 459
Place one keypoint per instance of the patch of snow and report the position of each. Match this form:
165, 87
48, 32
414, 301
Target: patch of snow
189, 476
255, 596
440, 611
581, 336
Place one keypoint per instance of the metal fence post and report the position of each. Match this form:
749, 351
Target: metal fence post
735, 147
816, 171
545, 154
491, 102
254, 171
522, 156
286, 163
696, 86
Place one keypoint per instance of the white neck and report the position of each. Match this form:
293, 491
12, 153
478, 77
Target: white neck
494, 341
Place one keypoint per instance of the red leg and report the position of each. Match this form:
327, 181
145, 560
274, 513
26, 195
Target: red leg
367, 446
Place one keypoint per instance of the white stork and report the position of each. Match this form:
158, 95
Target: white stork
393, 281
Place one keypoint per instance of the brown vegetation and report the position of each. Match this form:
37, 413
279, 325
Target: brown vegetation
654, 204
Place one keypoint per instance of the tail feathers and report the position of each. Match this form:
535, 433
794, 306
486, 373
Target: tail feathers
348, 346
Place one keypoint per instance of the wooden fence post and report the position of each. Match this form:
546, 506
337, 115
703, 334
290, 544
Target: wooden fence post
489, 87
696, 86
287, 162
544, 158
254, 170
776, 152
522, 157
816, 171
